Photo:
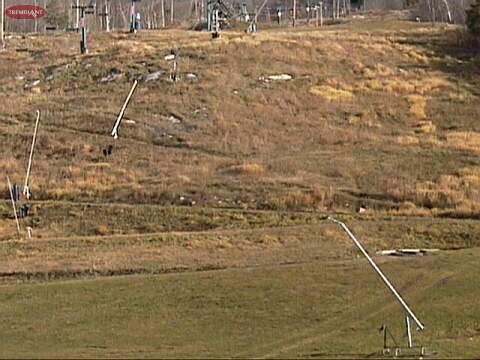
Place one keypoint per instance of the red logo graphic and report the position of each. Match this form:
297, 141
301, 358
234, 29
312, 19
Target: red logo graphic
25, 12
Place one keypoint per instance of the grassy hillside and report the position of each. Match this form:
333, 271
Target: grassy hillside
215, 199
382, 115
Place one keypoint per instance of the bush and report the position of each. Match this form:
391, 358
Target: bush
473, 18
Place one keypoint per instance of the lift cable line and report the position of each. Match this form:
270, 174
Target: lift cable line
384, 278
114, 132
26, 191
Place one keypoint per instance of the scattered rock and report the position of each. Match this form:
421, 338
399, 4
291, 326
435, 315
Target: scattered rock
153, 76
169, 57
174, 120
170, 136
114, 75
406, 252
129, 122
32, 84
279, 77
191, 77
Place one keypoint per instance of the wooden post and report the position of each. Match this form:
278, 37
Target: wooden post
30, 159
171, 11
14, 207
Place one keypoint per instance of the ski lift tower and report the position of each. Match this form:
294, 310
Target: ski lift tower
217, 11
84, 10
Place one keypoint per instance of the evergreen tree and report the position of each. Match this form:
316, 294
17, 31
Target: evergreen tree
473, 18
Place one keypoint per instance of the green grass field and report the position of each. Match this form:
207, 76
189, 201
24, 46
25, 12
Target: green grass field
316, 309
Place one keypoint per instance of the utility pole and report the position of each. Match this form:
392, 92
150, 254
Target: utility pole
2, 26
84, 10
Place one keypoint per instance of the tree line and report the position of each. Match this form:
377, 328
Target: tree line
156, 14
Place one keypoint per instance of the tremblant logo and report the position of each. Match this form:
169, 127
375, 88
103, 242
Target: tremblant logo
25, 12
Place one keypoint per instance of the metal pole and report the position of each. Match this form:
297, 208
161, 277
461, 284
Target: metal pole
294, 13
30, 159
379, 272
321, 13
132, 17
409, 331
77, 15
14, 207
83, 45
35, 22
122, 111
2, 25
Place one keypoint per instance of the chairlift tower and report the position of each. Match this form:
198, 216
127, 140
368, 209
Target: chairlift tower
218, 11
84, 10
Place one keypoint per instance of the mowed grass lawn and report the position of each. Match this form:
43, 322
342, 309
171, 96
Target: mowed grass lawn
316, 309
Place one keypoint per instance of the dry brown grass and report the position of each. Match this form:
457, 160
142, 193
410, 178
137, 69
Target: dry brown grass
418, 106
460, 191
229, 118
407, 140
463, 140
250, 169
331, 93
